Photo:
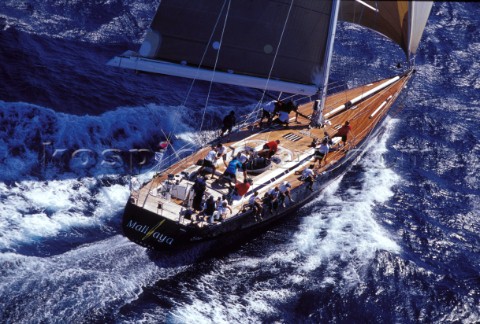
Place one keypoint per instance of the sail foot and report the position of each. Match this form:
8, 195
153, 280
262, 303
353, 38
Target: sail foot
184, 71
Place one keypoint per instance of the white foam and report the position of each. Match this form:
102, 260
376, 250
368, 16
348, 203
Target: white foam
350, 225
24, 140
340, 236
71, 196
38, 210
212, 305
100, 276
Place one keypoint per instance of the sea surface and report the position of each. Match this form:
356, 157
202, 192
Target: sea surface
395, 240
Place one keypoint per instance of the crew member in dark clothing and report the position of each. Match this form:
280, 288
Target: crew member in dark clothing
199, 188
228, 123
208, 208
293, 106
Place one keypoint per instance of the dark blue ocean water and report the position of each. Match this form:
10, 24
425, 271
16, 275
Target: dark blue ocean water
396, 240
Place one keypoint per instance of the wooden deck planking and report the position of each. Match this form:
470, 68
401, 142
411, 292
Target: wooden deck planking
359, 120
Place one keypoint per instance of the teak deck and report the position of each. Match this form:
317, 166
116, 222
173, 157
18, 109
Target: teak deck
292, 152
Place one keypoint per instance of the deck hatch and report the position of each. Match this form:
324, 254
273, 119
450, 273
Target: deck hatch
292, 137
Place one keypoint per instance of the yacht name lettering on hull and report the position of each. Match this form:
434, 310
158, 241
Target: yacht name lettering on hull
144, 229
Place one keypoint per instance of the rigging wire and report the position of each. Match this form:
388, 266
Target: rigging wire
204, 53
256, 108
215, 65
201, 61
171, 159
258, 105
176, 156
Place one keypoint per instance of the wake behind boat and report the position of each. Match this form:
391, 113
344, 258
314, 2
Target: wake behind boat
285, 164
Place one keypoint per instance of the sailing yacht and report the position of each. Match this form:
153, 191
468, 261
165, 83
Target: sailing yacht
276, 46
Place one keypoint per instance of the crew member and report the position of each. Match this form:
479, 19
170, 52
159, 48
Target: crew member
308, 175
343, 132
321, 152
231, 171
269, 149
221, 153
285, 192
241, 188
268, 112
256, 204
228, 123
209, 161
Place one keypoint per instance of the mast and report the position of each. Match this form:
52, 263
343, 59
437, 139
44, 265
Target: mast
317, 119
